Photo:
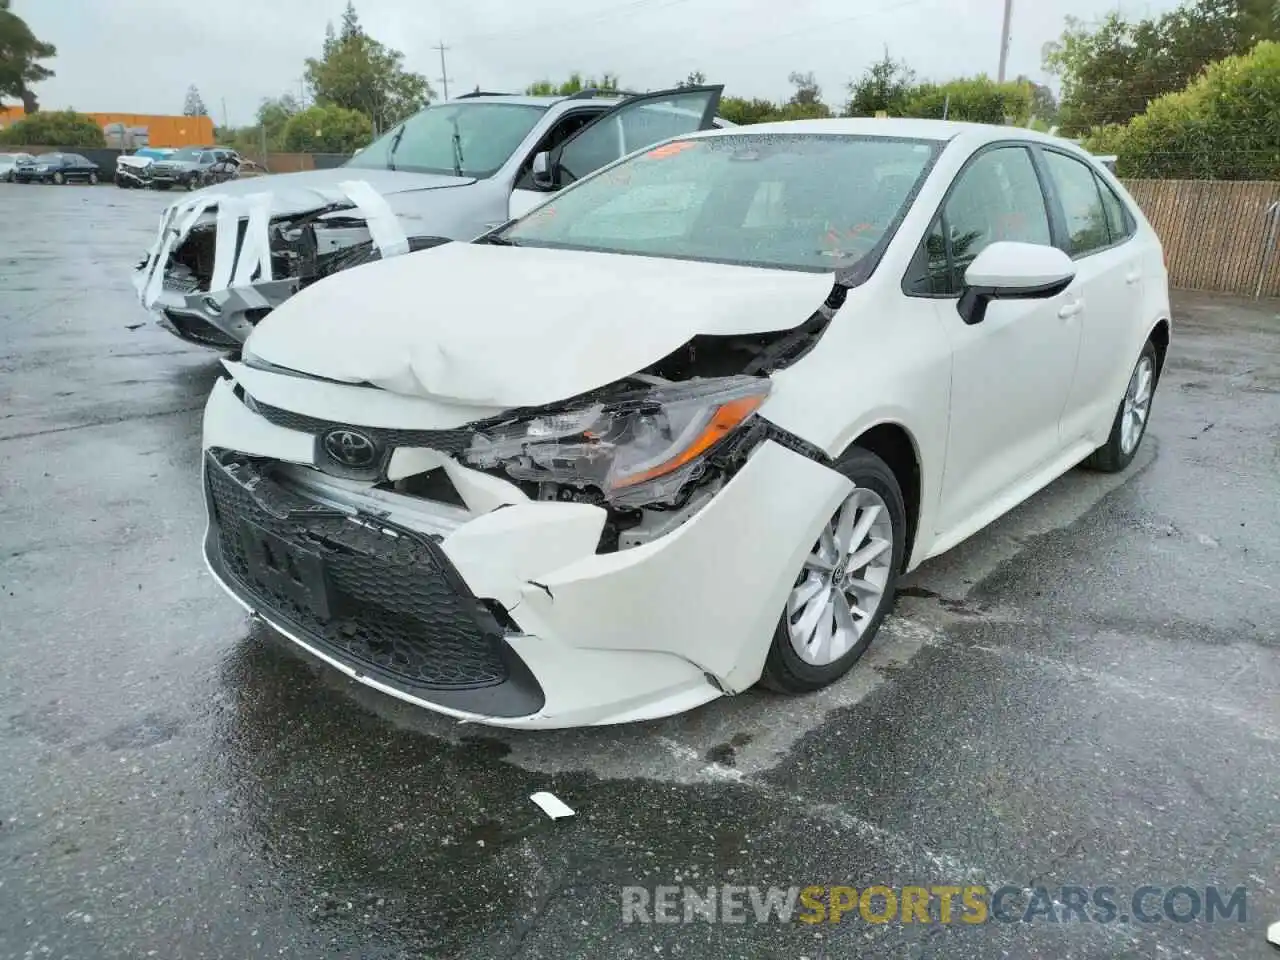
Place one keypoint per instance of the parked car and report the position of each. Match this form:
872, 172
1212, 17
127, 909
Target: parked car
133, 170
9, 161
681, 429
452, 171
193, 167
56, 168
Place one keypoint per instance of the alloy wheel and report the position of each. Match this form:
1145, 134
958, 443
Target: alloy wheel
1137, 404
843, 581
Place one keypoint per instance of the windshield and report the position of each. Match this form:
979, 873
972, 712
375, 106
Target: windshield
189, 154
466, 139
796, 201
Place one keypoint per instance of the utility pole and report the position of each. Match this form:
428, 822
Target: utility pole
444, 74
1004, 40
225, 124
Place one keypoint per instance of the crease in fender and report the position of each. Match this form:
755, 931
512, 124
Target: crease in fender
543, 587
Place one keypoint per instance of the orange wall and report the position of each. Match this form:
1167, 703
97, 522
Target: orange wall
163, 131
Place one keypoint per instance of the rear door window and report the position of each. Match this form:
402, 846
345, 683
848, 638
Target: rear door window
1086, 220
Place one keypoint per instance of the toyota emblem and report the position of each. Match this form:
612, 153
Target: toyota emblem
350, 448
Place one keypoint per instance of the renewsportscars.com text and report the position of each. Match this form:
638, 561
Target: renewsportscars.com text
939, 903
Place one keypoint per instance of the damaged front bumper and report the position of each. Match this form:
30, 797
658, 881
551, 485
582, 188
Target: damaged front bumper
498, 608
220, 263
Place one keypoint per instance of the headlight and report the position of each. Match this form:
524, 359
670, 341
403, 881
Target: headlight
636, 448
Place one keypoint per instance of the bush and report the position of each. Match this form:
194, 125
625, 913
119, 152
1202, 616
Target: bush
1224, 126
975, 99
327, 129
58, 128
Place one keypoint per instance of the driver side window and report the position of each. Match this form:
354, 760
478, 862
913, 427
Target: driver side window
563, 129
997, 197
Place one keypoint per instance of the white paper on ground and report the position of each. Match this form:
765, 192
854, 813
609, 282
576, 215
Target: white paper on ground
1273, 934
551, 805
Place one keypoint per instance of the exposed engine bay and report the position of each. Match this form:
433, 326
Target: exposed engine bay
221, 263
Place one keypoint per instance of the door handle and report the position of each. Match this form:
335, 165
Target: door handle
1132, 277
1067, 311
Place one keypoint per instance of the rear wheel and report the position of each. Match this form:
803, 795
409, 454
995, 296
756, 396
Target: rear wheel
846, 585
93, 179
1130, 424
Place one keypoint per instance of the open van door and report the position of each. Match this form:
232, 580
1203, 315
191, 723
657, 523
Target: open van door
633, 124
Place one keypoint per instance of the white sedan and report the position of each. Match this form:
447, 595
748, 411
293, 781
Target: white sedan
680, 429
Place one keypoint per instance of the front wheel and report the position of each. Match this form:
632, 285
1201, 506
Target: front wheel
1130, 424
59, 179
846, 585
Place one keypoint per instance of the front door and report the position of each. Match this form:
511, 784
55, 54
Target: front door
1012, 372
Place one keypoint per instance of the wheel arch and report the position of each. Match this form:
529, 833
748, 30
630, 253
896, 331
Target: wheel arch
897, 447
1159, 336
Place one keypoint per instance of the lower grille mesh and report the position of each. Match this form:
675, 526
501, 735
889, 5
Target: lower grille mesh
398, 611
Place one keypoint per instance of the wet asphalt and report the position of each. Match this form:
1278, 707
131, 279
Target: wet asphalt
1085, 693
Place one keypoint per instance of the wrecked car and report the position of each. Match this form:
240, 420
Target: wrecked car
193, 167
132, 169
680, 430
227, 255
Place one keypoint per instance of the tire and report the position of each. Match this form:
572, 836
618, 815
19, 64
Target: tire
93, 179
1116, 454
59, 178
785, 670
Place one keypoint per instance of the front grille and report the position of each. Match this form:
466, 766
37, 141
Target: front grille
455, 442
398, 610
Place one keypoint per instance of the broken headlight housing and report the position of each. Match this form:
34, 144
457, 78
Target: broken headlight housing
638, 447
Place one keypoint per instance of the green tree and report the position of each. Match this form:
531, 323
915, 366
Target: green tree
1225, 125
805, 102
695, 79
327, 128
975, 99
1044, 105
358, 73
1111, 71
194, 104
742, 111
884, 85
273, 115
20, 53
57, 128
575, 84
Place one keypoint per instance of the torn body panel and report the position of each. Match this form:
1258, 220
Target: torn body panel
227, 256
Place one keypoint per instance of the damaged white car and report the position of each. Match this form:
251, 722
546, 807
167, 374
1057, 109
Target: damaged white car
680, 430
225, 256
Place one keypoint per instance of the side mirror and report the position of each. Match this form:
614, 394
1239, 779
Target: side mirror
543, 171
1013, 271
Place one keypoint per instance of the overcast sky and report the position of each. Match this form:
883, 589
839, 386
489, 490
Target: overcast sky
140, 55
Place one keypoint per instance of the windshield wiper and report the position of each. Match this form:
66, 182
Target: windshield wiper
395, 145
457, 148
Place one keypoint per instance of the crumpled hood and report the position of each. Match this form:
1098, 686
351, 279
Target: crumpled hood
299, 192
518, 326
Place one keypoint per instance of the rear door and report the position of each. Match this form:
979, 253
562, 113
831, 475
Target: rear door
1098, 234
633, 125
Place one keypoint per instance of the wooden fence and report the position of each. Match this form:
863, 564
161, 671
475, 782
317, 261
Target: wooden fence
1214, 232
